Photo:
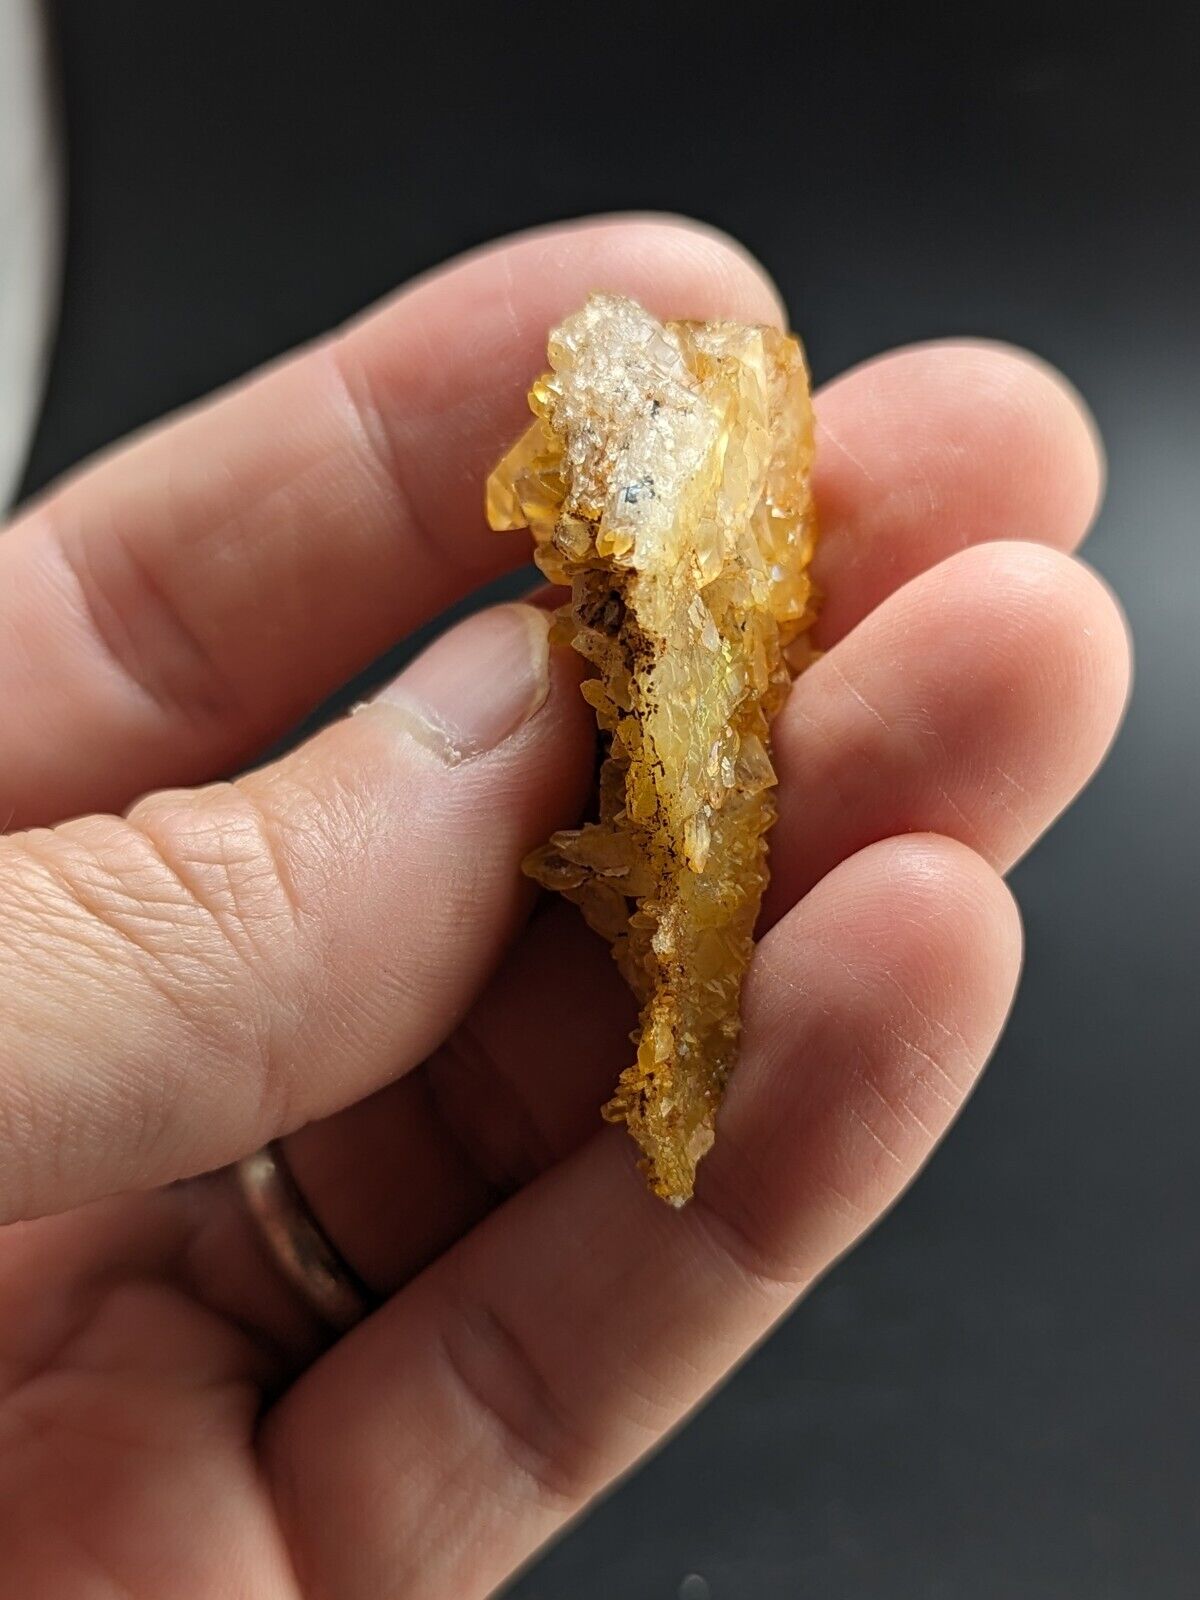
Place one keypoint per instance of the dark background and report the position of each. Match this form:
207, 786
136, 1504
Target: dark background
998, 1395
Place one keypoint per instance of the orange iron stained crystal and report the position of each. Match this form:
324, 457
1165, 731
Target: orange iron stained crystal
666, 482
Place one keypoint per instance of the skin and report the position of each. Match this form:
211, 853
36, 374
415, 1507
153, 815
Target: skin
339, 948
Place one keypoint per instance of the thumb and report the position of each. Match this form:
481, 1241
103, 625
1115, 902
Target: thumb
224, 964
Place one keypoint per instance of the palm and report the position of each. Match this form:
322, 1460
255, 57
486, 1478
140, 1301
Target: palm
131, 1413
168, 1424
128, 1422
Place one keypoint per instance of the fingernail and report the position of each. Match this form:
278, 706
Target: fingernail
477, 684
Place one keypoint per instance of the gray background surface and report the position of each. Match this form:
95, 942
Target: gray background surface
998, 1395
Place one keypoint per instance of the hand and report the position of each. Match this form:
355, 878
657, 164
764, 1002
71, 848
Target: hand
338, 947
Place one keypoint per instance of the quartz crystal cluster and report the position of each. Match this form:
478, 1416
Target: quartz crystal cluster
665, 480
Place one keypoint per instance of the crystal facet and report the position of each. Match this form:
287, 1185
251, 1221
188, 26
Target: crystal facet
665, 479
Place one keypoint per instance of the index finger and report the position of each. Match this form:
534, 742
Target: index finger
169, 610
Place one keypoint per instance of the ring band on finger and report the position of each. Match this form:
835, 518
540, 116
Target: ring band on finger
297, 1243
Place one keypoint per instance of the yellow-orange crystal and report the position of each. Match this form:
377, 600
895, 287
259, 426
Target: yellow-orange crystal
665, 479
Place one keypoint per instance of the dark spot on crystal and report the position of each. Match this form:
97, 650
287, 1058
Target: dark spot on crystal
642, 489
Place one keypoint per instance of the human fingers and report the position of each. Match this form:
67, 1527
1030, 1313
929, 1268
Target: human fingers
975, 702
456, 1430
170, 609
225, 964
924, 451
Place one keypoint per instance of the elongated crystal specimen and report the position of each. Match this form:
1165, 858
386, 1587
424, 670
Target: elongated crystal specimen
666, 482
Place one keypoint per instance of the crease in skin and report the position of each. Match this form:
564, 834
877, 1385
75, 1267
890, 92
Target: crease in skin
857, 694
840, 444
365, 419
939, 1069
666, 482
1013, 783
864, 1122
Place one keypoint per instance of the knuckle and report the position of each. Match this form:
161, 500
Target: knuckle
228, 867
498, 1378
155, 971
143, 624
375, 445
185, 911
224, 860
747, 1243
107, 979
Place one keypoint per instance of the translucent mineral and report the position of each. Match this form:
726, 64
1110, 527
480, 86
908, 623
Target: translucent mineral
665, 480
